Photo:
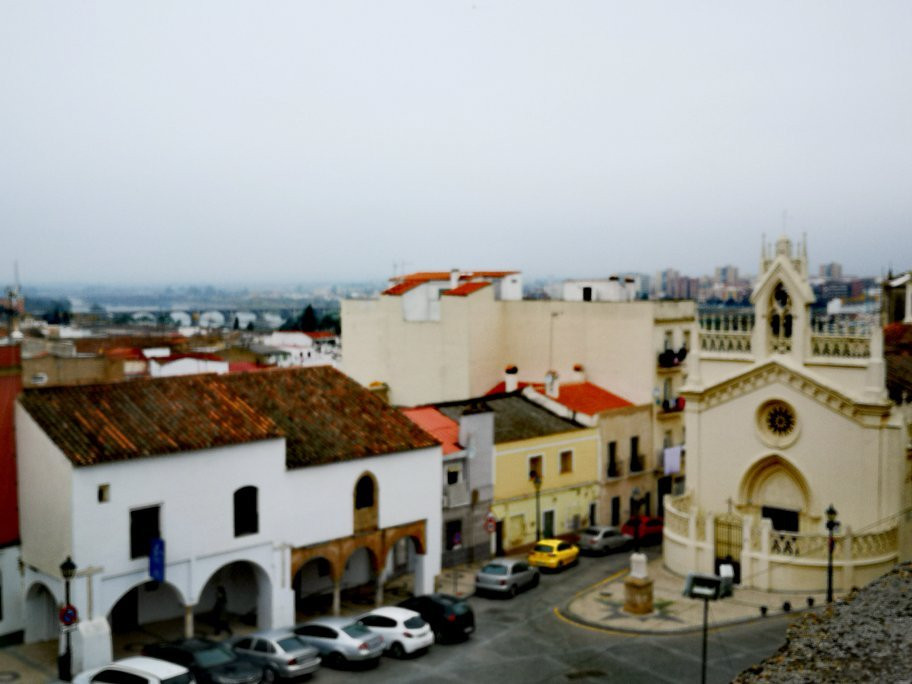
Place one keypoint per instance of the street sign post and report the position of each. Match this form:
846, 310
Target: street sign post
490, 524
157, 560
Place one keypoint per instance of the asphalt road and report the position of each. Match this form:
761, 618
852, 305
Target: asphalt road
522, 640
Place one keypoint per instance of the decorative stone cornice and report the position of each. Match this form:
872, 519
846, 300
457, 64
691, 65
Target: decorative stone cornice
865, 413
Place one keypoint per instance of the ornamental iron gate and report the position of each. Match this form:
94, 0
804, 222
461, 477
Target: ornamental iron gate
729, 540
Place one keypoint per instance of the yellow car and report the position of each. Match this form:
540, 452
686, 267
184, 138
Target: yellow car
553, 553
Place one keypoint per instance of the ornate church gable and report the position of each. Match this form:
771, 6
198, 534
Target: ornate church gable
773, 371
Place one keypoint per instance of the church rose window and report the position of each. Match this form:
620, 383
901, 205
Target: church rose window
777, 423
780, 420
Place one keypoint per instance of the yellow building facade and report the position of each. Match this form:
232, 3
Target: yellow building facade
568, 464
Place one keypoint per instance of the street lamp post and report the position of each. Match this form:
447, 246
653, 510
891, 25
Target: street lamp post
831, 525
65, 661
635, 501
536, 479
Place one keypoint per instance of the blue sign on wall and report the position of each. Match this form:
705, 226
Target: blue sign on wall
157, 560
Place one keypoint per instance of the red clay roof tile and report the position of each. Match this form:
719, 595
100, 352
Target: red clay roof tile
324, 416
432, 421
465, 289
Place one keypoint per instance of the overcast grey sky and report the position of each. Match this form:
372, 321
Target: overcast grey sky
295, 141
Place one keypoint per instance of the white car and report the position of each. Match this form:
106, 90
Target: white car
137, 670
404, 631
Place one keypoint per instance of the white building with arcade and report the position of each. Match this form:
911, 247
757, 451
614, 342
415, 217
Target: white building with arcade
278, 486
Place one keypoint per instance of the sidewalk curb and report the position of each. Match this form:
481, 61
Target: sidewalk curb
568, 614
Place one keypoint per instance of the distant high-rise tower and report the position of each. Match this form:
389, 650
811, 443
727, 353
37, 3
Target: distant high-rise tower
831, 270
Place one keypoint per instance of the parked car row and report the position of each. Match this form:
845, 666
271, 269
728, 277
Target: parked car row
294, 653
509, 576
409, 628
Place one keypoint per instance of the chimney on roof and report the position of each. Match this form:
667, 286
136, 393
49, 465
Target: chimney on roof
380, 389
511, 378
552, 384
579, 373
454, 278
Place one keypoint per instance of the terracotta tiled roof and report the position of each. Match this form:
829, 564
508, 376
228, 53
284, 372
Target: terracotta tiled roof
409, 281
98, 345
94, 424
465, 289
244, 367
326, 416
320, 335
584, 397
125, 353
432, 421
402, 288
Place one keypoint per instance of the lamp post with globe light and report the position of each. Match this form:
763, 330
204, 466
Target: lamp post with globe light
831, 525
536, 479
67, 619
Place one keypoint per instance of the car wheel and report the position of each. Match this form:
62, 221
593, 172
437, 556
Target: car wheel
534, 582
335, 659
513, 591
269, 675
397, 651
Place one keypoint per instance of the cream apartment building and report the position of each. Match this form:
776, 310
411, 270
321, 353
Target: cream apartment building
434, 337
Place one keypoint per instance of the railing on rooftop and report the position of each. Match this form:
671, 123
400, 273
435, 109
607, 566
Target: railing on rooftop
843, 336
726, 331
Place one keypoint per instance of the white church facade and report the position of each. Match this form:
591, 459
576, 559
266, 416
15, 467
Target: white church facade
786, 415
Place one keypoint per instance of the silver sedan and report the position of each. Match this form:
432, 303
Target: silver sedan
506, 576
281, 654
603, 539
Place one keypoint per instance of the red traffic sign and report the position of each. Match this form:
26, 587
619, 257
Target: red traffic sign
68, 615
490, 523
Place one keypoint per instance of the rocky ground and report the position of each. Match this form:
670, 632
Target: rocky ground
865, 638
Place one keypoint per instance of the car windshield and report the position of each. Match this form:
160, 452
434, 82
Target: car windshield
455, 605
211, 657
415, 622
591, 530
544, 548
355, 630
494, 569
291, 644
185, 678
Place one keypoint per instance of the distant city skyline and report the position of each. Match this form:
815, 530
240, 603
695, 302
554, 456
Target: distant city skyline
229, 143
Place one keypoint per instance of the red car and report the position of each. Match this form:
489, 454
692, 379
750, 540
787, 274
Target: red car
650, 529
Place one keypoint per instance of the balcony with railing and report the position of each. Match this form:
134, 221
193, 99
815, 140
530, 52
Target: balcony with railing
671, 407
671, 360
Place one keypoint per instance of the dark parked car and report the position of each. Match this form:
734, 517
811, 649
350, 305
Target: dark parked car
650, 531
210, 662
450, 617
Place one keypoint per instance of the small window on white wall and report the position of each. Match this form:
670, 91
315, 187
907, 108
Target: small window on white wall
246, 514
104, 493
